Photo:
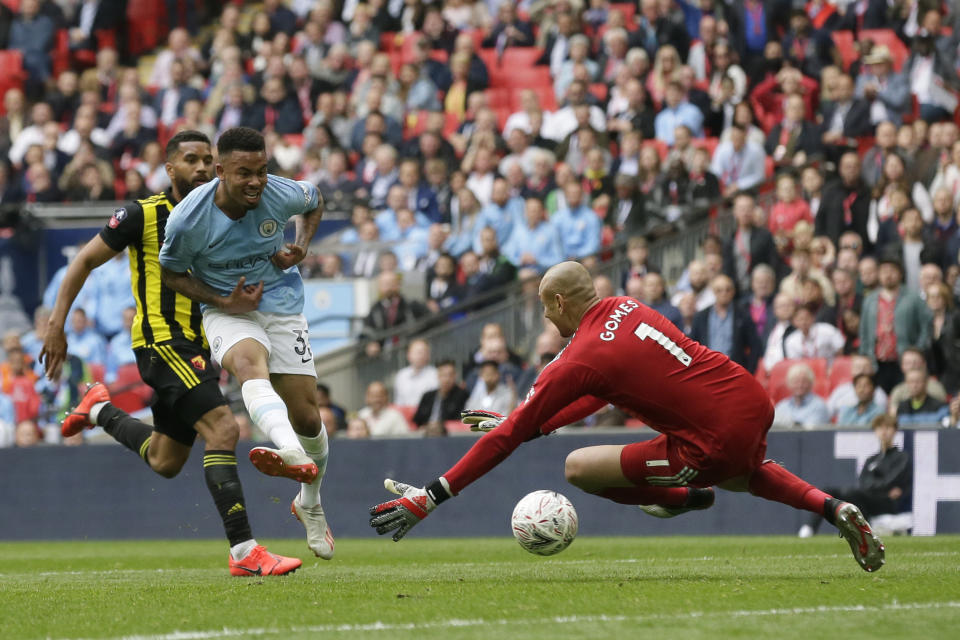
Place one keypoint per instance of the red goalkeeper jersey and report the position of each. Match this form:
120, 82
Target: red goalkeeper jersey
628, 355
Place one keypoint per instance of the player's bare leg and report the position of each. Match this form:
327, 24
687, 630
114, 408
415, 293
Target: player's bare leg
247, 361
774, 482
599, 470
299, 394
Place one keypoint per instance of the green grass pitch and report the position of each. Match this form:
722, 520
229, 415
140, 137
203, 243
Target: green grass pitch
679, 587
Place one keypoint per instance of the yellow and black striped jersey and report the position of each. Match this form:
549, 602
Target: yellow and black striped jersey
162, 313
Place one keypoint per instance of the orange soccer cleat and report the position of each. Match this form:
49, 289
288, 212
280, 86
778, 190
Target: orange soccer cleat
285, 463
260, 562
79, 418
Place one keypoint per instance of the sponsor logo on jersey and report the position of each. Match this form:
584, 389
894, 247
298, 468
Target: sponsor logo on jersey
268, 227
199, 363
117, 217
216, 343
621, 311
247, 262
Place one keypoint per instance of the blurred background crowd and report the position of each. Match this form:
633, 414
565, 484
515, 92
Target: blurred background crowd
809, 151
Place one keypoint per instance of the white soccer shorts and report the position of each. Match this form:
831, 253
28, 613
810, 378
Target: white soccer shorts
286, 338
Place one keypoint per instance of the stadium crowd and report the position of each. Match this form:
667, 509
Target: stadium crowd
481, 142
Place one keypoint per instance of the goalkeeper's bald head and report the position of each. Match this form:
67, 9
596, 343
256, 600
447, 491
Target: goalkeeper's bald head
567, 291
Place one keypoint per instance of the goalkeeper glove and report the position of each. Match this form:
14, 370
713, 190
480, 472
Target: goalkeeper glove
481, 420
411, 507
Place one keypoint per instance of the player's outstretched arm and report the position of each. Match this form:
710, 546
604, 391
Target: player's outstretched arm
306, 226
54, 351
410, 508
242, 299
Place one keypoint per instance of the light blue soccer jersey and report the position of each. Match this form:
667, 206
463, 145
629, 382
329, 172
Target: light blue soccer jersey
201, 238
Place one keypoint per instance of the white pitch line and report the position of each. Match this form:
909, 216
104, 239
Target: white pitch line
551, 562
500, 622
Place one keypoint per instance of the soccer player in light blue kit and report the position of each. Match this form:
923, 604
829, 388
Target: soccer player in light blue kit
222, 235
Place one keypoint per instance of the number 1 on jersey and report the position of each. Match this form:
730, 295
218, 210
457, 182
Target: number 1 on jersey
645, 331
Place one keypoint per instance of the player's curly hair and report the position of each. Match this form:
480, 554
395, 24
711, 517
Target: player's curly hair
187, 135
240, 139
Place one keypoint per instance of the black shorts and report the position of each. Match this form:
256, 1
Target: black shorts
186, 382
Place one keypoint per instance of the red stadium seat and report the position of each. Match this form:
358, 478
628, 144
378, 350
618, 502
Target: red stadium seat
11, 61
146, 25
710, 144
628, 9
408, 412
888, 37
455, 426
295, 139
516, 57
778, 377
128, 392
499, 97
13, 5
388, 41
599, 90
660, 146
439, 55
843, 40
840, 371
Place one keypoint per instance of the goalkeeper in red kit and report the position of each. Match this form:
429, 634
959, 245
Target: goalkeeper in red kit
712, 416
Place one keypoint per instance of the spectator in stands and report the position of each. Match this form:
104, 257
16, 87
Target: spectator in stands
390, 311
579, 226
8, 417
932, 80
178, 46
85, 342
803, 408
919, 407
944, 354
845, 119
492, 393
914, 360
357, 429
637, 113
338, 187
509, 30
846, 203
845, 396
887, 92
812, 339
18, 381
502, 214
740, 165
893, 319
119, 351
749, 246
446, 401
437, 235
794, 140
653, 295
638, 259
170, 100
783, 310
420, 197
757, 304
40, 115
40, 186
33, 34
724, 328
807, 48
885, 483
418, 377
88, 186
534, 241
495, 269
789, 209
275, 111
443, 291
626, 214
382, 419
873, 159
677, 111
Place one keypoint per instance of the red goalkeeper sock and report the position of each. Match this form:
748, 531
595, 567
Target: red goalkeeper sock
773, 482
666, 496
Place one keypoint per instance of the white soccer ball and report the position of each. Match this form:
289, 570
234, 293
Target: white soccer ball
544, 522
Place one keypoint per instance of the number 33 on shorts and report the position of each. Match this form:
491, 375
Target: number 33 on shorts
302, 345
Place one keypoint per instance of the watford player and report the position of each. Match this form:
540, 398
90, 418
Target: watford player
172, 356
713, 417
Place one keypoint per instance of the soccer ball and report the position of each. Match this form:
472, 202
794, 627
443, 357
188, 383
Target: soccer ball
544, 522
